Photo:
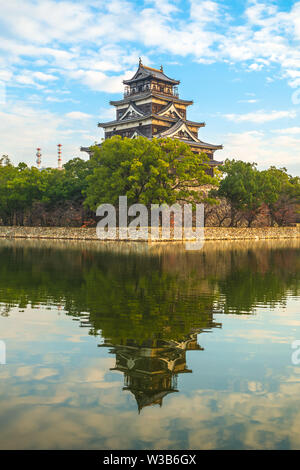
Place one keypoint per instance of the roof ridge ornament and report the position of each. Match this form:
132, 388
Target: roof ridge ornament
161, 68
140, 61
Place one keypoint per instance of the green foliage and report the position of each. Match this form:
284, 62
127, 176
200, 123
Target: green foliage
21, 187
148, 172
142, 296
243, 188
281, 192
157, 171
242, 185
247, 189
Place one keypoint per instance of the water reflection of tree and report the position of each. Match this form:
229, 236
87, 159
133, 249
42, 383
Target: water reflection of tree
148, 307
148, 293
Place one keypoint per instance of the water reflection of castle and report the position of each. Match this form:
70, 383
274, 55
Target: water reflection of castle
151, 369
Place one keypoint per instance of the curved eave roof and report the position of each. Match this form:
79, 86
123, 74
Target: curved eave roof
195, 124
86, 149
211, 162
124, 121
148, 116
192, 142
203, 145
144, 72
89, 150
143, 95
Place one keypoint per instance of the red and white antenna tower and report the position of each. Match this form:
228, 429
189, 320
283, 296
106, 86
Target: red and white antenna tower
59, 165
38, 158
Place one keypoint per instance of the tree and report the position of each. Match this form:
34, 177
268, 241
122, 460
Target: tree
281, 194
242, 187
75, 177
47, 197
148, 172
22, 190
7, 173
217, 214
5, 160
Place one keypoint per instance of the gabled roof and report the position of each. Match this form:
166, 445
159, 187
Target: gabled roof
171, 108
144, 72
137, 133
180, 125
133, 109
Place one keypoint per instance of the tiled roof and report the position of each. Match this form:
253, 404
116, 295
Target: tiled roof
201, 144
147, 116
131, 119
144, 95
133, 105
139, 133
172, 129
144, 72
168, 106
195, 143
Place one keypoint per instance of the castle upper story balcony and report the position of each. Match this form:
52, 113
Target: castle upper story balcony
138, 89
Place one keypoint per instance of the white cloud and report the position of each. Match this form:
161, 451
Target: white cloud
164, 6
261, 116
248, 101
44, 77
288, 131
98, 43
256, 67
24, 80
45, 20
99, 81
55, 99
265, 149
205, 11
23, 128
5, 75
86, 37
77, 115
107, 113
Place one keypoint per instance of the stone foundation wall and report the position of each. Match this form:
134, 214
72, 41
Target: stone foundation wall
244, 233
211, 233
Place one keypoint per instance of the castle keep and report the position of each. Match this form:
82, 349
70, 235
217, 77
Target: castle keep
151, 107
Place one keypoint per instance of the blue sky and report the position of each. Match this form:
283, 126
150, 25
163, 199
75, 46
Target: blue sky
62, 61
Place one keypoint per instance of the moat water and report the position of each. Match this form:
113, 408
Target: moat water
130, 346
